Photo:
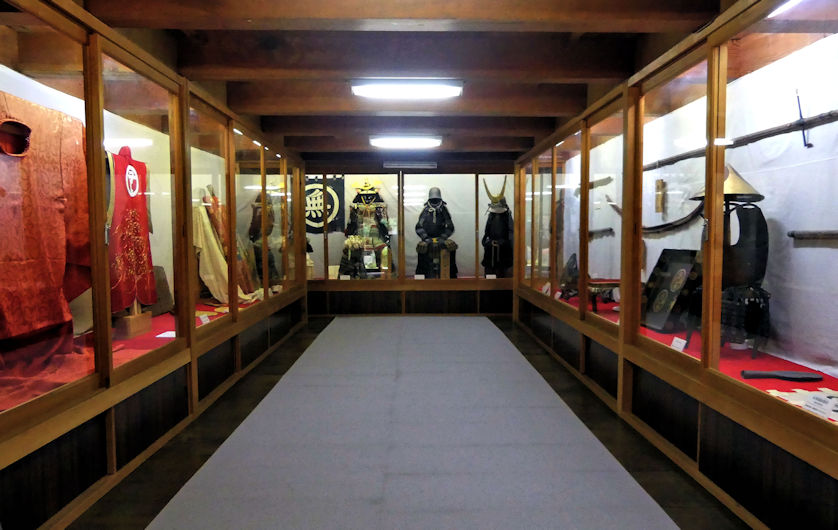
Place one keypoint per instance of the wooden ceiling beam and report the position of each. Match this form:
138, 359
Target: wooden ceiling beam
577, 16
445, 125
518, 57
360, 143
478, 99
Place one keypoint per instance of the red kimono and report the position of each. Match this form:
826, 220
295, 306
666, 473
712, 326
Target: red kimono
45, 235
129, 250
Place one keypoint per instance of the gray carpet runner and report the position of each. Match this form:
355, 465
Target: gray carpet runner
412, 422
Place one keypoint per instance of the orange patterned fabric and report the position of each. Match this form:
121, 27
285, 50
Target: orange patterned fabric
129, 249
45, 235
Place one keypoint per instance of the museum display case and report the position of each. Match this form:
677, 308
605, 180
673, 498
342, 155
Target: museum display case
439, 213
140, 213
46, 303
116, 204
208, 151
674, 140
605, 200
361, 213
778, 178
250, 198
528, 187
542, 217
276, 221
497, 239
567, 211
709, 241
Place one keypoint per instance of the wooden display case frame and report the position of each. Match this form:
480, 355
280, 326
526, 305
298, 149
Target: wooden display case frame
30, 426
803, 435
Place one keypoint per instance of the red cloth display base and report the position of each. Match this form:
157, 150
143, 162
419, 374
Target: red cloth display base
209, 308
63, 368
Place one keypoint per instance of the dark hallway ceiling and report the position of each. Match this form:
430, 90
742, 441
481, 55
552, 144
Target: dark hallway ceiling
525, 66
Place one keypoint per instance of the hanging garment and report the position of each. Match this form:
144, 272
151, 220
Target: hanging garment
45, 236
129, 249
212, 265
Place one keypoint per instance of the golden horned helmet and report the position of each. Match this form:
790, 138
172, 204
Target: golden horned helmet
497, 203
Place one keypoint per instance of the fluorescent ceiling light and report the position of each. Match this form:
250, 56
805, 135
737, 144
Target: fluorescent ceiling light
405, 142
278, 155
256, 143
237, 131
410, 164
783, 8
407, 88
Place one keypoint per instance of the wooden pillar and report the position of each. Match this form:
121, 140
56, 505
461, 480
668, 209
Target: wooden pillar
584, 209
712, 247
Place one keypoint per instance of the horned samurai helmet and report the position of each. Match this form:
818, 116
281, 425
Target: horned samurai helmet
497, 203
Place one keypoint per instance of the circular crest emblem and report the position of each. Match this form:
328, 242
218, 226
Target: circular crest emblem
315, 205
132, 181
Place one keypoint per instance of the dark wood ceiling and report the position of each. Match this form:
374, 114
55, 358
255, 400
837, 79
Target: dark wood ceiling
526, 66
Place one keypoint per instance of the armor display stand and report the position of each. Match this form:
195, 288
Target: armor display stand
444, 264
136, 323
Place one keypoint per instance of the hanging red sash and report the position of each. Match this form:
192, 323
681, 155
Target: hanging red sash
129, 249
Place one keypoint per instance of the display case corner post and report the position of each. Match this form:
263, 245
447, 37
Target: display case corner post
712, 245
584, 217
631, 233
99, 267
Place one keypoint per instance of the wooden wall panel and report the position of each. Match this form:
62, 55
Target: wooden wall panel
279, 324
253, 342
775, 486
317, 302
40, 484
365, 302
601, 366
215, 366
667, 410
441, 302
494, 302
149, 414
566, 341
542, 325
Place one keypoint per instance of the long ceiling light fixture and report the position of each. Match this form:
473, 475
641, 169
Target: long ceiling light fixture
407, 88
405, 142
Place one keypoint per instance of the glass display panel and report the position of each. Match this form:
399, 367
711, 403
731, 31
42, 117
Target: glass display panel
140, 211
674, 144
248, 240
777, 310
367, 248
604, 219
291, 175
528, 223
46, 308
439, 232
542, 215
568, 204
498, 194
210, 241
277, 222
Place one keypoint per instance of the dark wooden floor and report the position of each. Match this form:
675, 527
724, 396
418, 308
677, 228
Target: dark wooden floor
137, 499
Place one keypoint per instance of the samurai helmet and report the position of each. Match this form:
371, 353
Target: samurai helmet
368, 193
736, 188
497, 203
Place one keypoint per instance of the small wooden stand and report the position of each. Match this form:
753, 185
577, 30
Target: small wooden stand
444, 264
136, 323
